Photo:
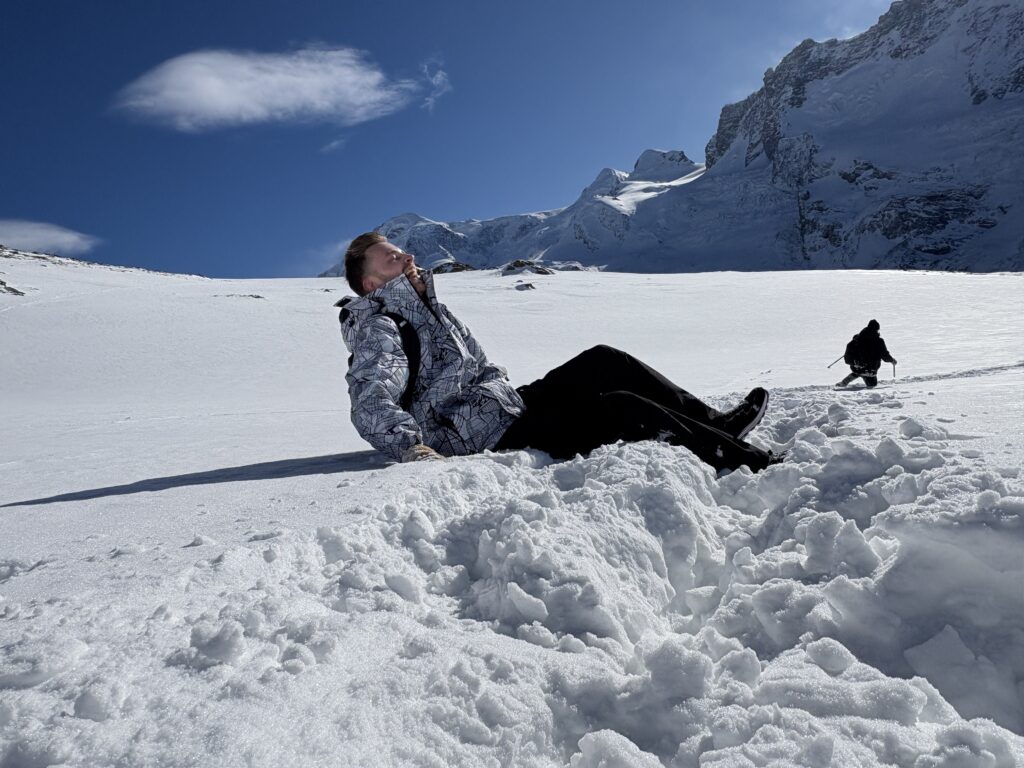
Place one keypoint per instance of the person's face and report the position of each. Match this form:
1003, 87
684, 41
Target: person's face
384, 262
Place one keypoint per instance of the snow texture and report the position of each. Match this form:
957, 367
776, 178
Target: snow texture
201, 563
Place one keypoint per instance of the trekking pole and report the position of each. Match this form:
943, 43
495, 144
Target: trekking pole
835, 361
894, 370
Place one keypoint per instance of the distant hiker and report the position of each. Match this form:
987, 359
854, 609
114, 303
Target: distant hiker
864, 354
421, 386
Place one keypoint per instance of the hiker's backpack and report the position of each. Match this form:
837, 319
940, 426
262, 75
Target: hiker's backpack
852, 354
410, 345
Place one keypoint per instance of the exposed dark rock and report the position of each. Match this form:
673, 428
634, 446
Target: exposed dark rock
863, 171
446, 267
728, 126
520, 266
924, 214
5, 288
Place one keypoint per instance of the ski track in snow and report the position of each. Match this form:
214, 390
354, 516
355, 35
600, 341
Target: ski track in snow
628, 606
885, 383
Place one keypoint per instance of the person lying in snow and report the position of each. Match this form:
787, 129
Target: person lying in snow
445, 398
864, 354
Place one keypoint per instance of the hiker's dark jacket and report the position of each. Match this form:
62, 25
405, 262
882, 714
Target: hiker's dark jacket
866, 351
462, 403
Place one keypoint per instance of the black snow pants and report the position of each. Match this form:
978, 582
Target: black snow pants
603, 395
870, 378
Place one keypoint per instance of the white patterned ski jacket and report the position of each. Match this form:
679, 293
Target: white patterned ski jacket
462, 402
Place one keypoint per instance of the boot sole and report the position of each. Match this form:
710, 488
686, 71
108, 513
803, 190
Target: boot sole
756, 420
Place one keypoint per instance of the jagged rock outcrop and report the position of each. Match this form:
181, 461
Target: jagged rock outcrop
883, 145
522, 266
897, 148
451, 266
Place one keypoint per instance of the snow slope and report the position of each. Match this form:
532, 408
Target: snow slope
897, 148
202, 563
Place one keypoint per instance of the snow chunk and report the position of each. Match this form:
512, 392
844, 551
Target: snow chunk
742, 666
211, 645
404, 586
790, 682
531, 608
100, 700
417, 527
911, 428
677, 672
963, 746
973, 683
830, 655
608, 749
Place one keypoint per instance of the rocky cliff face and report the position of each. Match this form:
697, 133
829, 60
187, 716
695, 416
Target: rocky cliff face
905, 31
898, 148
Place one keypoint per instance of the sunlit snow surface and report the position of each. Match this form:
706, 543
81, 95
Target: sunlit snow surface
202, 564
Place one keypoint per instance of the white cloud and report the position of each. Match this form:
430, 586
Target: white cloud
321, 258
840, 19
439, 83
47, 238
844, 19
214, 89
334, 146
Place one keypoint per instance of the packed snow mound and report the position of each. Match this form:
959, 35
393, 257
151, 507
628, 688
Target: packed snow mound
896, 148
628, 606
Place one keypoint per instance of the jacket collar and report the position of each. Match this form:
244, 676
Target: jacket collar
394, 296
399, 291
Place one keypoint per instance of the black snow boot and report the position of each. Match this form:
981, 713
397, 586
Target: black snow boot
744, 417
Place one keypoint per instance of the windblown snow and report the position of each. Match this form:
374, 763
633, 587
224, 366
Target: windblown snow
202, 563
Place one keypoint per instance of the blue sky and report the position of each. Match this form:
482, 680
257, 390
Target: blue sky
252, 139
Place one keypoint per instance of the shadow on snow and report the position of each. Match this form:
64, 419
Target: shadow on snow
267, 470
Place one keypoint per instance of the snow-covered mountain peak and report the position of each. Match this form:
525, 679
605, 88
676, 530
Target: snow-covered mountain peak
896, 148
659, 165
975, 49
606, 183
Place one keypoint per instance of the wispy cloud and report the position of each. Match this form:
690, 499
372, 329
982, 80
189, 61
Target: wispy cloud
48, 238
844, 19
319, 259
437, 78
212, 89
840, 19
334, 146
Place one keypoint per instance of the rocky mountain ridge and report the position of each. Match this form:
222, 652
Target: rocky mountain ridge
897, 148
